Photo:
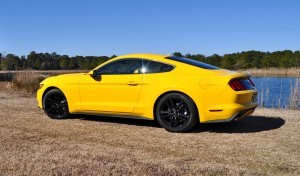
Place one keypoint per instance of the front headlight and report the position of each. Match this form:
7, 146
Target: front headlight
41, 85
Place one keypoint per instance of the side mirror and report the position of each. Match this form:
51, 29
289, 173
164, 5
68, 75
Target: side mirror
94, 74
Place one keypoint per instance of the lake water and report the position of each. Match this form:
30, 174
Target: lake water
278, 92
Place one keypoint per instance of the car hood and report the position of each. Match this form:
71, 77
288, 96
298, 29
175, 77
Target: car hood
64, 78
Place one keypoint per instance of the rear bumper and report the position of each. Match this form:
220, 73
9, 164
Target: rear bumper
236, 116
228, 106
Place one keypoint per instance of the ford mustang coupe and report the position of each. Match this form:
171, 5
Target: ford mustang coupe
176, 91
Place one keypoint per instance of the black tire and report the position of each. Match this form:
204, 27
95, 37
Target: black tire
55, 104
176, 112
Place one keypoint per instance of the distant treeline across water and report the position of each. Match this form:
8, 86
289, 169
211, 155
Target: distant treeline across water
235, 61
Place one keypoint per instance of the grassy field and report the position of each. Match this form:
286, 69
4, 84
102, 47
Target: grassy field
267, 143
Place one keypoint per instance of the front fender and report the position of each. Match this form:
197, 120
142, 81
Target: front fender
68, 85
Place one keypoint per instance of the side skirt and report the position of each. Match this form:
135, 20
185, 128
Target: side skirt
126, 116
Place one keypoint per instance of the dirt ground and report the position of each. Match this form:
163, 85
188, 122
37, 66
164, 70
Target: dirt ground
267, 143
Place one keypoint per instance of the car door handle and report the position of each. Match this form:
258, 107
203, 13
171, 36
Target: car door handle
132, 83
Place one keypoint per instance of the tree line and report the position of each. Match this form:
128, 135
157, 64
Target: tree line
49, 61
240, 60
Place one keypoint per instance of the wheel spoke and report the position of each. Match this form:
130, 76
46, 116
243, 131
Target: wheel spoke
168, 116
171, 122
179, 106
61, 111
182, 119
50, 100
175, 123
171, 102
164, 112
51, 109
57, 98
168, 105
186, 117
54, 111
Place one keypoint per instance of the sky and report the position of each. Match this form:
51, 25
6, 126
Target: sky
107, 27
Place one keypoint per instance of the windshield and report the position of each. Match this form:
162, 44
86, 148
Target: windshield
193, 62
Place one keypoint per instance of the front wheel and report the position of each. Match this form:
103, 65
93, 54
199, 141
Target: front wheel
176, 112
55, 104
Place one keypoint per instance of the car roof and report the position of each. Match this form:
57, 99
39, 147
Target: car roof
143, 56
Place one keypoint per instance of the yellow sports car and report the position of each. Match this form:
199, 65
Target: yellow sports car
176, 91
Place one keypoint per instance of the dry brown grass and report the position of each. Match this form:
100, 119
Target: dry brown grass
51, 72
295, 72
267, 143
27, 81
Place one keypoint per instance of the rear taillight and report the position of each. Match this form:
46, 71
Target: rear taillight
239, 84
236, 85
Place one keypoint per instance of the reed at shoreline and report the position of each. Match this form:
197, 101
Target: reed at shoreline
290, 72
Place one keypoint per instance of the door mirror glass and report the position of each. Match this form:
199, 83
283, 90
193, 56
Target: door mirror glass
95, 74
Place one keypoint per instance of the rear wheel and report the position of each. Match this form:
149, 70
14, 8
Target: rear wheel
176, 112
55, 104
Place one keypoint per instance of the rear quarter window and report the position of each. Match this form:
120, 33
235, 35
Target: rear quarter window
193, 62
156, 67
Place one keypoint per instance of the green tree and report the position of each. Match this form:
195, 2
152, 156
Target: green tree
214, 60
23, 62
113, 56
266, 61
11, 62
0, 60
64, 61
198, 57
32, 59
37, 64
297, 58
178, 54
73, 63
228, 61
80, 62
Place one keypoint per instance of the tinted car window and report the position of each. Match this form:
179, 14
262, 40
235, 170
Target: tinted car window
125, 66
193, 62
156, 67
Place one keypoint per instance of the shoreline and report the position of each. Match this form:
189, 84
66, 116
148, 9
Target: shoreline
258, 72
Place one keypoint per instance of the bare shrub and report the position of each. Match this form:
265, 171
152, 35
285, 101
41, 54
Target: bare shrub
27, 81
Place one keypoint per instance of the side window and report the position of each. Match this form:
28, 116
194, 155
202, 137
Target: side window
124, 66
156, 67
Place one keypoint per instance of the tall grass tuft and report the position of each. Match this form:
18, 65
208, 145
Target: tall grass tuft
27, 81
295, 95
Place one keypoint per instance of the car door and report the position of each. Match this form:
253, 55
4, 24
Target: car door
116, 89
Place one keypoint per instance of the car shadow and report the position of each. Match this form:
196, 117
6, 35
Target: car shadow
250, 124
118, 120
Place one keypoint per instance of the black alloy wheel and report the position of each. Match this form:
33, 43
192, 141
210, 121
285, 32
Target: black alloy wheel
176, 112
55, 104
